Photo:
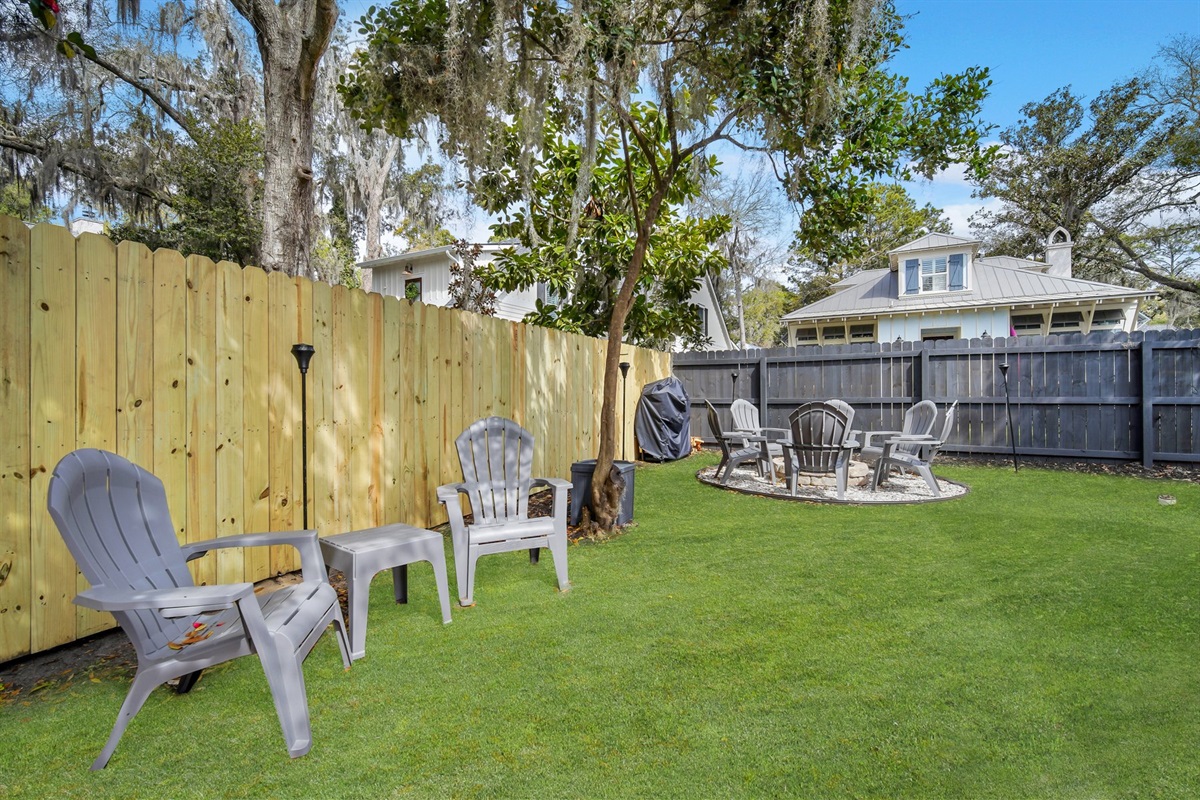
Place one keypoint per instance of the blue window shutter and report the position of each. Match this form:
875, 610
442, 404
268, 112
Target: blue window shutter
957, 273
912, 278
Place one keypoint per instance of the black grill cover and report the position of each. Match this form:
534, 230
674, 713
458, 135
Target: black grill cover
663, 423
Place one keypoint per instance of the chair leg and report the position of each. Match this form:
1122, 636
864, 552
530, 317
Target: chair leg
466, 579
534, 554
842, 480
400, 583
558, 550
358, 596
438, 560
343, 639
927, 474
141, 688
186, 682
286, 679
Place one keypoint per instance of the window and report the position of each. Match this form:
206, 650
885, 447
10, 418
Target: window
934, 274
1066, 321
862, 333
703, 312
805, 336
938, 334
833, 334
1027, 324
1108, 319
412, 289
548, 295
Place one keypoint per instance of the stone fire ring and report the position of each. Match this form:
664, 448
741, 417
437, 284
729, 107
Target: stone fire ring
900, 488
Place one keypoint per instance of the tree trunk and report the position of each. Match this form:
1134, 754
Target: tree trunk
605, 499
291, 41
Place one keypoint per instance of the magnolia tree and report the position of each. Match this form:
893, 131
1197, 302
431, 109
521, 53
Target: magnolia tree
802, 81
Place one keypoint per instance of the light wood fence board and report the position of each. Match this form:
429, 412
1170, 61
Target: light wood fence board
391, 419
52, 429
284, 413
256, 420
410, 513
96, 371
135, 353
374, 496
339, 455
302, 333
16, 554
432, 409
355, 347
323, 447
230, 462
170, 383
202, 412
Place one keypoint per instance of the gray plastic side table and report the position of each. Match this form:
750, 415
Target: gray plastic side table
359, 555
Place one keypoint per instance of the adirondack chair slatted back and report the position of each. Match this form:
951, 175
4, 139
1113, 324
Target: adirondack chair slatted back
714, 424
918, 421
944, 434
114, 518
819, 433
496, 455
745, 417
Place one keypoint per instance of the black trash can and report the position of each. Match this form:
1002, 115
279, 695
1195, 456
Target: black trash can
581, 490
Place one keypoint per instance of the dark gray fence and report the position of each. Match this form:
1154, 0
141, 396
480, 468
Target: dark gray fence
1102, 396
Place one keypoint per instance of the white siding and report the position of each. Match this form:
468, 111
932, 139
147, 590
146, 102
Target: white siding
971, 324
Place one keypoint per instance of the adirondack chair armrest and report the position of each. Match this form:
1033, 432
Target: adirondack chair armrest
311, 564
867, 438
189, 600
560, 488
449, 492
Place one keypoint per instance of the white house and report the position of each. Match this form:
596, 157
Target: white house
425, 275
938, 287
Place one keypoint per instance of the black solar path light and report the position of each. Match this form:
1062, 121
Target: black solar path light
304, 354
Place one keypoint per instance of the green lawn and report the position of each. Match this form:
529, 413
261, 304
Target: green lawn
1039, 638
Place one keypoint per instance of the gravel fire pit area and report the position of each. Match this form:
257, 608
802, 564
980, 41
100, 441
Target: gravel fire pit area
900, 487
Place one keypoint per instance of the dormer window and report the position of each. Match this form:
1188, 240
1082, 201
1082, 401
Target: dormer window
935, 274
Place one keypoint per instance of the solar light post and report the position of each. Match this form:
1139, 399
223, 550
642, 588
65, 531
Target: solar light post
304, 354
624, 365
1008, 408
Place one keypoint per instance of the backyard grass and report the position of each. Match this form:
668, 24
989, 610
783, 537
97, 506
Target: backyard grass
1038, 638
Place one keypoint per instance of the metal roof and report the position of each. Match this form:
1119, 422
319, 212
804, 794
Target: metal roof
876, 292
932, 241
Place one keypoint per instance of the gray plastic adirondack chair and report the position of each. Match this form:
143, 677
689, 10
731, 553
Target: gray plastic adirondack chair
731, 455
918, 421
919, 455
496, 456
746, 418
821, 443
113, 516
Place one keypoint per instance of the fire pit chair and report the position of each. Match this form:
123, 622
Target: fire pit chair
732, 456
821, 443
496, 456
746, 420
918, 422
114, 518
916, 454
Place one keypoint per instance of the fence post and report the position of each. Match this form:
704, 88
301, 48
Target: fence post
1147, 353
920, 391
764, 399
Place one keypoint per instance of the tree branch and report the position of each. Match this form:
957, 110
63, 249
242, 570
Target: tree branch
83, 170
150, 92
1140, 266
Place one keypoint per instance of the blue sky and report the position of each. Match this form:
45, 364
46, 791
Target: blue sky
1032, 47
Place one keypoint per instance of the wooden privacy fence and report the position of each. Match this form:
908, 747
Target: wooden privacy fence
1099, 396
185, 367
